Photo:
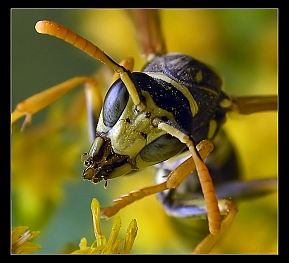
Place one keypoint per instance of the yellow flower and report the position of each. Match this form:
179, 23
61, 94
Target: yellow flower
112, 245
20, 238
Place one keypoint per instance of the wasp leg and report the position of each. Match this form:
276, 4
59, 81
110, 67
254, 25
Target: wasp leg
125, 200
40, 100
252, 104
130, 198
209, 242
185, 205
208, 189
147, 25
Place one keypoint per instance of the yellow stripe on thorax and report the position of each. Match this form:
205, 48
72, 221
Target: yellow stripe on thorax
182, 88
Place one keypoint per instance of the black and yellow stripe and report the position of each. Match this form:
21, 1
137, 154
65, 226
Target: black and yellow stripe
188, 89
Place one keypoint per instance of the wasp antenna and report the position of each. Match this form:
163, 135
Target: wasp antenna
61, 32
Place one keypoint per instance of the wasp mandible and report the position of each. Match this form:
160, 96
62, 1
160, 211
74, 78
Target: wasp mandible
175, 104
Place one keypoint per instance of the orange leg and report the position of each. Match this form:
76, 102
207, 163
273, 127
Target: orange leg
230, 210
179, 175
40, 100
214, 216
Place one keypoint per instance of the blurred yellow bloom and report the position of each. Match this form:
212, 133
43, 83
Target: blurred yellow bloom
20, 238
240, 44
112, 245
38, 170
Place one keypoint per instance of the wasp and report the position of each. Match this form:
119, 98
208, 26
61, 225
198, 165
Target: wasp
174, 105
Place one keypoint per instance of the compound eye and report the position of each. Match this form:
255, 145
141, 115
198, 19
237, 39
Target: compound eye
162, 149
115, 101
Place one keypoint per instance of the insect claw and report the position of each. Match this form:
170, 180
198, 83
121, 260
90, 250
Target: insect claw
27, 121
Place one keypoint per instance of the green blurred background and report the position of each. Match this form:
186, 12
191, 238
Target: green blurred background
48, 193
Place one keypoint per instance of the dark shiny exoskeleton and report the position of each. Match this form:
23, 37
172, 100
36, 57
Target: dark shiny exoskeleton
206, 91
188, 94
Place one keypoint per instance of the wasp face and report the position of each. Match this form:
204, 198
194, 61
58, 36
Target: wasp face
127, 138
